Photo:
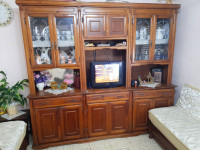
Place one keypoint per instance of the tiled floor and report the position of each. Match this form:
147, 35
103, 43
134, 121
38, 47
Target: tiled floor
141, 142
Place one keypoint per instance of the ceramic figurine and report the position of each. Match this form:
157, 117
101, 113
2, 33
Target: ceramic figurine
38, 59
44, 55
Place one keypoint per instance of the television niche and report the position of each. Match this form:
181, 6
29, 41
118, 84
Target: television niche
107, 74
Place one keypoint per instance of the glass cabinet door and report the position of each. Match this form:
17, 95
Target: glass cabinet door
142, 36
65, 40
41, 40
162, 38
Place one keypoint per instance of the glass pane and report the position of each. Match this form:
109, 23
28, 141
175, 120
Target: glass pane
41, 40
162, 39
143, 30
65, 37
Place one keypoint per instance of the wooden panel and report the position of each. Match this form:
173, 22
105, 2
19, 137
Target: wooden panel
161, 102
152, 93
71, 122
51, 9
107, 97
97, 119
117, 26
48, 127
105, 11
96, 4
40, 103
94, 25
140, 114
118, 113
152, 11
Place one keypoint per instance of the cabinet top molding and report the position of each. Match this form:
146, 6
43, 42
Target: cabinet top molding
95, 4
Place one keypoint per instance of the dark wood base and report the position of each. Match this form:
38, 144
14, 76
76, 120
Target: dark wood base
24, 144
85, 140
160, 138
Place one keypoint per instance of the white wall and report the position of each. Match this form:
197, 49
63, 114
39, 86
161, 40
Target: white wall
187, 53
186, 62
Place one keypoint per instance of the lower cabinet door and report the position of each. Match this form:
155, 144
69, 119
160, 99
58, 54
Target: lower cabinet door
97, 119
47, 123
71, 122
140, 113
161, 102
118, 113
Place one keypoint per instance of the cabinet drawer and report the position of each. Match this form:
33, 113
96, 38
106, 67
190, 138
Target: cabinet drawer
150, 93
107, 97
56, 101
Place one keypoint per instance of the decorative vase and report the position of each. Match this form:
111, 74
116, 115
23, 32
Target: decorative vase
12, 109
40, 86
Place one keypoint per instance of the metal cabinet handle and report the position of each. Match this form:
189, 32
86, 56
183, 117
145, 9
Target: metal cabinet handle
120, 96
73, 100
51, 45
43, 104
165, 93
56, 45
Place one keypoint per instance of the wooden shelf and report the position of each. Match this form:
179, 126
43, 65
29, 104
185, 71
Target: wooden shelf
150, 63
160, 86
106, 47
104, 38
43, 94
63, 67
106, 90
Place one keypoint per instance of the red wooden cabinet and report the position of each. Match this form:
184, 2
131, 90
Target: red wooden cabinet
117, 25
71, 122
97, 119
59, 123
161, 102
108, 114
140, 113
47, 123
94, 26
119, 118
143, 101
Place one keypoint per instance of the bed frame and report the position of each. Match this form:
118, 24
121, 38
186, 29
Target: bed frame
160, 138
24, 144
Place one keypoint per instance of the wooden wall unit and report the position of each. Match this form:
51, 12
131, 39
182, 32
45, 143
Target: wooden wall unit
87, 114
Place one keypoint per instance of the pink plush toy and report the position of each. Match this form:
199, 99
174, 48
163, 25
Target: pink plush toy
69, 77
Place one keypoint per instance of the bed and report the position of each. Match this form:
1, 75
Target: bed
178, 127
12, 135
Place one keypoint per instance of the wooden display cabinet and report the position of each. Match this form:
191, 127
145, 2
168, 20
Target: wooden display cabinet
55, 32
52, 37
101, 22
153, 36
108, 114
145, 100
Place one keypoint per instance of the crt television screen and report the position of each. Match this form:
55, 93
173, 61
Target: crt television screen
106, 73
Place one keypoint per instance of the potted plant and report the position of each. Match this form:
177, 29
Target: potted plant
10, 97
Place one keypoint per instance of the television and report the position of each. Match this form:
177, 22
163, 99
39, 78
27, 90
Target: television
107, 74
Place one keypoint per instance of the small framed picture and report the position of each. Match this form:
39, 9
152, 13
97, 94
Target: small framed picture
157, 74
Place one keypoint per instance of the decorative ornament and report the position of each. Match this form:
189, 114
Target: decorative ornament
6, 14
169, 2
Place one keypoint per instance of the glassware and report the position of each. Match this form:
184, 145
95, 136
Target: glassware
66, 44
143, 29
162, 39
40, 40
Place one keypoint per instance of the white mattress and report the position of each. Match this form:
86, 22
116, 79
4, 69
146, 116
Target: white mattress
182, 130
12, 134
